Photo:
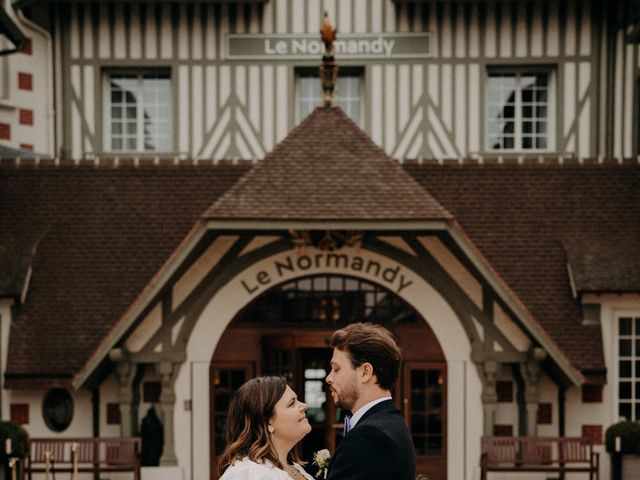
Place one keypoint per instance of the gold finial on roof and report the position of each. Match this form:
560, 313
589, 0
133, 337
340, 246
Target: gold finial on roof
328, 69
328, 34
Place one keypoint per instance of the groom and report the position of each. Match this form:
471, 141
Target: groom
364, 367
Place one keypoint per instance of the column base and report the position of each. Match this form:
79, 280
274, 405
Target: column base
161, 473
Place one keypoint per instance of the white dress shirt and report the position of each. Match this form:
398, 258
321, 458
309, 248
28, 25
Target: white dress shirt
357, 415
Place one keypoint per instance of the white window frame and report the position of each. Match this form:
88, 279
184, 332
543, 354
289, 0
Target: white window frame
352, 72
106, 89
518, 72
635, 377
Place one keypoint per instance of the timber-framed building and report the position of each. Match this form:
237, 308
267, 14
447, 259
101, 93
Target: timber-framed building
180, 212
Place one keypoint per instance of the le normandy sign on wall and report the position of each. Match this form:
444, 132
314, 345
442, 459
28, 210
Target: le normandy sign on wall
348, 46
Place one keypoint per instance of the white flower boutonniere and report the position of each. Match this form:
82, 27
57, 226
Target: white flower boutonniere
321, 460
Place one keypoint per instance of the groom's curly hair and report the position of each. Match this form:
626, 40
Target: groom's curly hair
374, 344
247, 433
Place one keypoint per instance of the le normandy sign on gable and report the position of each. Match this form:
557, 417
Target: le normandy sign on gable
348, 46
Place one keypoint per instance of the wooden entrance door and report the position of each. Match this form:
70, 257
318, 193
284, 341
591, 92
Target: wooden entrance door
424, 386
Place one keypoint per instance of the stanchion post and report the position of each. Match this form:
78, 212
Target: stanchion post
616, 460
74, 456
13, 464
48, 459
7, 450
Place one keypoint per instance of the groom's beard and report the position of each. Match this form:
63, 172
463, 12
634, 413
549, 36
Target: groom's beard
347, 398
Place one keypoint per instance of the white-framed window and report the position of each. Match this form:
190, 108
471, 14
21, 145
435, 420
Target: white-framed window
628, 382
348, 95
519, 111
139, 113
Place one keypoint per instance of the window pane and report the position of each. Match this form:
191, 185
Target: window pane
625, 348
624, 390
625, 326
625, 369
624, 411
541, 127
508, 143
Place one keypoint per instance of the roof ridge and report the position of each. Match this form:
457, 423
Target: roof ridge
527, 161
167, 162
120, 163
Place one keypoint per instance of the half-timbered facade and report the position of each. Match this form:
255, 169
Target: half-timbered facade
180, 216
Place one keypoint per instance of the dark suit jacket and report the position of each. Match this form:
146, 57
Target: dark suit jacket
379, 447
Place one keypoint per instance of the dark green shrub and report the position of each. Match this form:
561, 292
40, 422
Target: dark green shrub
629, 433
18, 436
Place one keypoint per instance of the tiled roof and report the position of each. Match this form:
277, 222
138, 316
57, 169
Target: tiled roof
327, 168
105, 233
525, 219
14, 264
604, 262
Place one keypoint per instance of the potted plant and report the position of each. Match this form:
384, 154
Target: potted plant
625, 452
18, 444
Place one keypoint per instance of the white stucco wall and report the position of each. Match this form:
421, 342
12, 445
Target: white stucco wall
39, 100
81, 423
108, 394
464, 405
613, 306
5, 325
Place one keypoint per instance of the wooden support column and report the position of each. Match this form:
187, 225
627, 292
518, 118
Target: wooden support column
530, 370
167, 372
490, 370
125, 371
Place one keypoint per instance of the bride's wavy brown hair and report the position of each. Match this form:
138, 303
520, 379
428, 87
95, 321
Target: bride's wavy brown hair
247, 433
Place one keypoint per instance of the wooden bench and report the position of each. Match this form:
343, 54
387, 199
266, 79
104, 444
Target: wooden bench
96, 455
539, 454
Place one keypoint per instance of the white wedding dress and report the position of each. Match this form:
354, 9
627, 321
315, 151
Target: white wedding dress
246, 469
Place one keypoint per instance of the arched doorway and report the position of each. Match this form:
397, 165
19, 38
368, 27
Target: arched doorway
284, 332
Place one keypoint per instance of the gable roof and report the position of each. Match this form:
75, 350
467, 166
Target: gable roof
105, 232
526, 218
327, 169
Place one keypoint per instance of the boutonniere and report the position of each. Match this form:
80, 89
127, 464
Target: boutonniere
321, 460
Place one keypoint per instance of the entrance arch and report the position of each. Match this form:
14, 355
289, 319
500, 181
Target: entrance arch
464, 424
285, 331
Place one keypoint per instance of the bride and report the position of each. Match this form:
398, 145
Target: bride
265, 423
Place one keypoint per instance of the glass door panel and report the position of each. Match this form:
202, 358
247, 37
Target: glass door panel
424, 394
225, 380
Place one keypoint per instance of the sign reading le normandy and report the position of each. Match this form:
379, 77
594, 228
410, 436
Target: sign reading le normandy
354, 46
391, 275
